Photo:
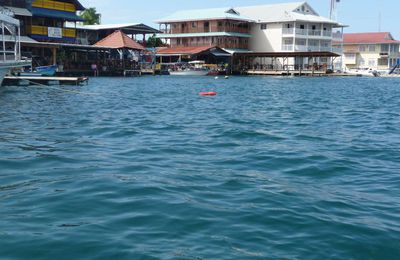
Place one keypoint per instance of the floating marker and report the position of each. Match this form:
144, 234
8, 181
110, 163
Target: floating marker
204, 94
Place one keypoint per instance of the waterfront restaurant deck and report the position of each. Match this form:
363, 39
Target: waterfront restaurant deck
278, 63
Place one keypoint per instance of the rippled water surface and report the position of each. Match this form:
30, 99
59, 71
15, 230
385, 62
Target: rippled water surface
145, 168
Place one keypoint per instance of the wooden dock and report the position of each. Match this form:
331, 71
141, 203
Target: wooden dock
286, 72
32, 80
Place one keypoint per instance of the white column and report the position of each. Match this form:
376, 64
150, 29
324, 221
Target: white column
4, 41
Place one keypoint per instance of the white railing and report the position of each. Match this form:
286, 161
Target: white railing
327, 33
314, 32
300, 48
313, 48
325, 48
301, 31
337, 36
287, 31
287, 47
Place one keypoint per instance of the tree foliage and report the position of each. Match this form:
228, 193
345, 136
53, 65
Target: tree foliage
91, 16
153, 42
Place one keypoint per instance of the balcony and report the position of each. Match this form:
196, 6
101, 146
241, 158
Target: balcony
300, 48
287, 47
54, 5
301, 31
337, 36
288, 31
314, 32
44, 31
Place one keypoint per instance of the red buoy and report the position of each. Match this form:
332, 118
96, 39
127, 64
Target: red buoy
208, 93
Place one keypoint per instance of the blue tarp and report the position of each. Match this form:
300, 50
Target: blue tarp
68, 16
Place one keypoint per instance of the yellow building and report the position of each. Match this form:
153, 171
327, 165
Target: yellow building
372, 51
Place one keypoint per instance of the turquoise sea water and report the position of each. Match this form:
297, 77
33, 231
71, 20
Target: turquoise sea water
145, 168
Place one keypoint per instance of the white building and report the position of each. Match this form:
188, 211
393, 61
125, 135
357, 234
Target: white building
296, 31
291, 27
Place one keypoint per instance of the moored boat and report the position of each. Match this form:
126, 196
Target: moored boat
193, 68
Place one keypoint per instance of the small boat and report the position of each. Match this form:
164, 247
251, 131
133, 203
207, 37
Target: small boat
363, 73
189, 72
46, 71
193, 68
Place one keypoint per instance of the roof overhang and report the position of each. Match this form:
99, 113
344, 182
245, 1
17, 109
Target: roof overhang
131, 28
9, 19
19, 11
216, 51
209, 34
289, 54
66, 45
203, 19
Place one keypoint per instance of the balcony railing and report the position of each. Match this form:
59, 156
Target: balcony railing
301, 31
287, 47
300, 48
314, 32
337, 36
55, 5
287, 31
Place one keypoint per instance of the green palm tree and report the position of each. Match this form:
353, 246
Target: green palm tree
91, 16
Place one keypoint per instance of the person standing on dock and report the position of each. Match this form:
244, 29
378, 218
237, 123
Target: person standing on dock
95, 70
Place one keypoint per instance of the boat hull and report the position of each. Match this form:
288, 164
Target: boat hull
3, 73
189, 73
5, 67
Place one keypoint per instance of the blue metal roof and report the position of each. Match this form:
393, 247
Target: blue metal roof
68, 16
204, 14
186, 35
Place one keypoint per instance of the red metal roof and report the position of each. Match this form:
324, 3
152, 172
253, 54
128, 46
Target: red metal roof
119, 40
368, 38
185, 50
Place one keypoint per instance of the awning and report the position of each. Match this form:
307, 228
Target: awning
220, 52
19, 11
68, 16
23, 39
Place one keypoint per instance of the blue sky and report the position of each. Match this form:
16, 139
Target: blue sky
361, 15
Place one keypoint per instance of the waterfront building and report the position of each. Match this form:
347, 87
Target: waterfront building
372, 50
224, 27
277, 32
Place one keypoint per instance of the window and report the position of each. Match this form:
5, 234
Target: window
362, 48
371, 48
383, 62
371, 62
219, 24
263, 26
194, 24
384, 48
350, 56
302, 26
314, 27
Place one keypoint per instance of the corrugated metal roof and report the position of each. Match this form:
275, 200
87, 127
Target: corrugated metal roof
210, 34
119, 40
187, 50
204, 14
125, 26
368, 38
19, 11
23, 39
285, 12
